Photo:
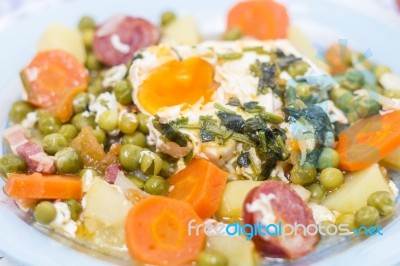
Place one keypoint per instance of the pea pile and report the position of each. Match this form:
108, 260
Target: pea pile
379, 204
124, 127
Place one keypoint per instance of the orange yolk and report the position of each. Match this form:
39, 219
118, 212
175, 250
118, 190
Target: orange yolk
177, 82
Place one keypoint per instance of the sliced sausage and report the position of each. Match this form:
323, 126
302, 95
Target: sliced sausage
275, 202
117, 40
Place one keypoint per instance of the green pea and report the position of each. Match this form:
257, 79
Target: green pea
45, 212
303, 91
136, 180
86, 22
150, 163
331, 178
232, 34
80, 102
100, 136
137, 138
75, 209
19, 110
346, 221
68, 131
156, 185
89, 171
92, 63
317, 192
128, 123
88, 37
11, 163
129, 156
303, 175
364, 106
353, 80
52, 143
82, 120
96, 85
167, 18
297, 68
342, 98
143, 120
108, 120
68, 161
383, 201
212, 258
380, 70
165, 169
123, 92
48, 124
328, 158
366, 216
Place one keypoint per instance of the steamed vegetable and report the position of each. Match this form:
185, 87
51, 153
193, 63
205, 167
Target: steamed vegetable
358, 186
369, 140
230, 208
261, 19
105, 206
392, 161
52, 80
91, 152
236, 249
58, 36
37, 186
182, 30
331, 178
157, 232
383, 201
201, 184
45, 212
211, 258
366, 216
19, 110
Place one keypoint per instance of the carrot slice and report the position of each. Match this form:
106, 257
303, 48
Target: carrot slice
51, 75
37, 186
369, 140
157, 232
261, 19
64, 110
201, 184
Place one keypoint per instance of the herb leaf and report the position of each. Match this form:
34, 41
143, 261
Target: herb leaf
231, 121
267, 74
170, 132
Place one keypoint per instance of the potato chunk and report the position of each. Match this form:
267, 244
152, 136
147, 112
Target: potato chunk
183, 30
357, 187
237, 249
106, 205
230, 208
58, 36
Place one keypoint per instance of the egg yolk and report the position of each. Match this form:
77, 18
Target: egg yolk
177, 82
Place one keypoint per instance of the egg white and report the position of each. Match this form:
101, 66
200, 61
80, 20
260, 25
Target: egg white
234, 79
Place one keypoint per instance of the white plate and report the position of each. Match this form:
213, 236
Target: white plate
324, 21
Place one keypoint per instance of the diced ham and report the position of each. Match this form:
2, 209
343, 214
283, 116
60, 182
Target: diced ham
15, 136
45, 163
112, 173
36, 159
